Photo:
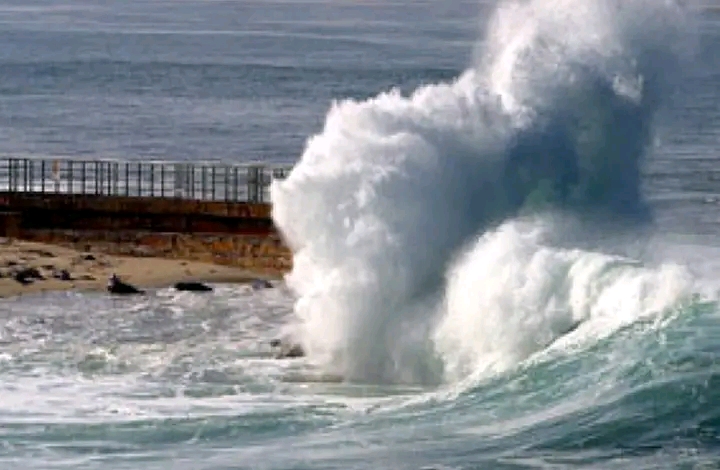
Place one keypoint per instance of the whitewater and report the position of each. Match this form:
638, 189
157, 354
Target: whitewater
424, 226
483, 272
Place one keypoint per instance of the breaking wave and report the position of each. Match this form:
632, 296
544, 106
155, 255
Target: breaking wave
425, 230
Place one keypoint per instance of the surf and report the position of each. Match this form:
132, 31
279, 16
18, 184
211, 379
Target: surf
414, 219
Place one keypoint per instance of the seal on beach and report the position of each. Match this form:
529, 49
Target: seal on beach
28, 275
116, 286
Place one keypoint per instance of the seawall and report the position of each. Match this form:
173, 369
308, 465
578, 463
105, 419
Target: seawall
237, 233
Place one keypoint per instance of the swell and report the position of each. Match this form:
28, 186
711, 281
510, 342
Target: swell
205, 80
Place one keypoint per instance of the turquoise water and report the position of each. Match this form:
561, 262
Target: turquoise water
182, 382
509, 263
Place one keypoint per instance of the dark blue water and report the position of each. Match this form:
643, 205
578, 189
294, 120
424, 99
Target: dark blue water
228, 80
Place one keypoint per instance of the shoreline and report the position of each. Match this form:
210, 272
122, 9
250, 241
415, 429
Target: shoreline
89, 270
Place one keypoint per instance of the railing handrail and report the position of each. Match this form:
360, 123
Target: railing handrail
201, 180
243, 164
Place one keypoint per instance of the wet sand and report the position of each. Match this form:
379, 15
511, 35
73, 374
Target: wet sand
64, 269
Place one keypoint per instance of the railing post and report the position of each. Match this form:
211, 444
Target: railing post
108, 178
71, 177
139, 179
31, 175
252, 184
116, 170
192, 182
236, 185
227, 182
25, 174
162, 180
152, 180
83, 173
127, 179
16, 176
203, 182
42, 176
213, 176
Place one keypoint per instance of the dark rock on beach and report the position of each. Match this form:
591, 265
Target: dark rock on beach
193, 287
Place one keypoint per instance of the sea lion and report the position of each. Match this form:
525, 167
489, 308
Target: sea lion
116, 286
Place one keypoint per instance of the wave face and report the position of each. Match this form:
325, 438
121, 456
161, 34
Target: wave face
424, 251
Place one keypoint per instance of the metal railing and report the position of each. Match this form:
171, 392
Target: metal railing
195, 181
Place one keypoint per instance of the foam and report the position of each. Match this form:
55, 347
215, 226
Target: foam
556, 113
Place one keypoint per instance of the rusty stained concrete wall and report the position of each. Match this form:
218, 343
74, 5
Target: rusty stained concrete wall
20, 201
229, 233
264, 254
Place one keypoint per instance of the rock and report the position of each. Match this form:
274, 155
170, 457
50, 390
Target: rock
290, 351
42, 253
287, 350
258, 284
62, 274
116, 286
193, 287
89, 257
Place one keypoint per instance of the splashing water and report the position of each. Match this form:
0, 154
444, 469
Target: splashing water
555, 115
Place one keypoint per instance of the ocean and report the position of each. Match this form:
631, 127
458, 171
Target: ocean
504, 217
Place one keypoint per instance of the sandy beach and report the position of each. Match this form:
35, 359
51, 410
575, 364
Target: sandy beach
54, 268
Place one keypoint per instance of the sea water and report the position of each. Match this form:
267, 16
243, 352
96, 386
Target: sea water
504, 217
